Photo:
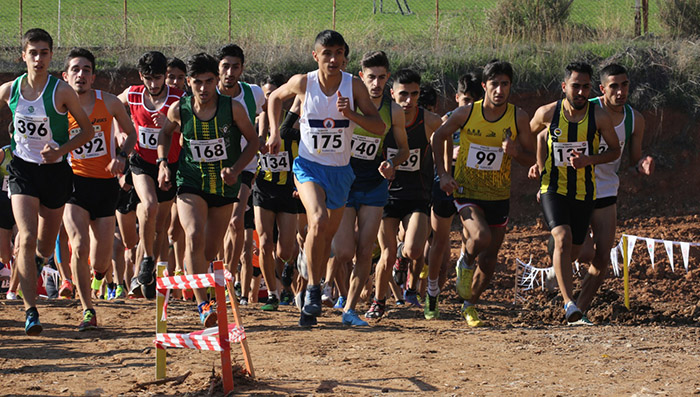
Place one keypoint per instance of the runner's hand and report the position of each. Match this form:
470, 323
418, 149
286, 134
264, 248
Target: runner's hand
116, 166
534, 172
273, 144
50, 153
164, 182
229, 176
509, 147
343, 104
448, 184
387, 170
646, 165
578, 160
158, 119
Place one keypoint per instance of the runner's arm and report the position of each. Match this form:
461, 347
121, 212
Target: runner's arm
442, 134
398, 125
524, 151
536, 169
369, 119
165, 137
117, 110
643, 165
607, 132
240, 117
67, 96
295, 86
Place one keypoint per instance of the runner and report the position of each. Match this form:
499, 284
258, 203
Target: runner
322, 172
176, 74
409, 195
40, 177
7, 223
149, 105
209, 167
492, 132
369, 192
89, 216
566, 166
629, 127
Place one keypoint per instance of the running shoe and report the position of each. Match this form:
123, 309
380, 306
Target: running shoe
312, 302
572, 312
583, 321
271, 305
400, 270
89, 320
286, 298
376, 310
301, 265
207, 314
32, 325
400, 302
146, 271
237, 289
66, 290
327, 296
11, 295
120, 292
307, 321
469, 313
243, 302
287, 274
351, 318
135, 291
299, 299
111, 292
339, 303
431, 311
465, 276
149, 291
411, 297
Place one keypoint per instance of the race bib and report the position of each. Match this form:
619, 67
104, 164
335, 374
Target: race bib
364, 147
411, 164
148, 137
208, 150
326, 140
5, 183
603, 146
485, 158
95, 147
275, 162
562, 152
36, 128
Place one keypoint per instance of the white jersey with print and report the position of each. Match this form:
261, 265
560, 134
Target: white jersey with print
325, 133
606, 178
259, 97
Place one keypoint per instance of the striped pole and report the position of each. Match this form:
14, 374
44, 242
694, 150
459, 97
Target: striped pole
161, 325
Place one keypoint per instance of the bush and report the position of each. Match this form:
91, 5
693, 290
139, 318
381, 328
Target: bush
532, 19
680, 17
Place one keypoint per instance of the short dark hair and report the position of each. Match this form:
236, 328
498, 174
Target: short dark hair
230, 50
428, 96
469, 84
152, 63
202, 63
275, 79
34, 35
496, 67
406, 76
77, 52
578, 67
374, 59
330, 38
177, 63
613, 69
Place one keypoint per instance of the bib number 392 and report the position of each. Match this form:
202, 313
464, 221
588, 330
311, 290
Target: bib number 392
95, 147
562, 152
411, 164
486, 158
208, 150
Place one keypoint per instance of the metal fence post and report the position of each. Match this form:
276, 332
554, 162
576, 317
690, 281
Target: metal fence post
21, 31
637, 18
125, 24
333, 14
645, 15
437, 22
58, 23
229, 21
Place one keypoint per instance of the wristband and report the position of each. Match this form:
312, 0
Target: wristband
123, 154
391, 163
161, 159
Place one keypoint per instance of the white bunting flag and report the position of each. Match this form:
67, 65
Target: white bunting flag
631, 241
650, 247
685, 250
669, 251
614, 261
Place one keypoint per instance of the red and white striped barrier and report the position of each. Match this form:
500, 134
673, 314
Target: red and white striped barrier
191, 281
207, 339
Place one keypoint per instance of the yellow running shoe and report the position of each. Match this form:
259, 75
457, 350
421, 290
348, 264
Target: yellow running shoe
464, 281
469, 313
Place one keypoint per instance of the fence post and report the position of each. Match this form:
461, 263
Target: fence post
333, 14
637, 18
229, 21
21, 31
125, 24
645, 15
58, 24
437, 21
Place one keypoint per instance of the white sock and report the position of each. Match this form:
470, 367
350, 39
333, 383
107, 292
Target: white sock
274, 292
433, 289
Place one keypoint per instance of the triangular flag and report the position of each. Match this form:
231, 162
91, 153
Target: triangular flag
685, 250
631, 240
669, 251
614, 261
650, 247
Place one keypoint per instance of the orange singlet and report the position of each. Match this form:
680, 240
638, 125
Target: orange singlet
91, 159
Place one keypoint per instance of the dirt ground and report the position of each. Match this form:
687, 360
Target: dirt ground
651, 349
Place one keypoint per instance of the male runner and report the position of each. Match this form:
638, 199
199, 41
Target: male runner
409, 194
89, 216
629, 127
492, 132
149, 105
322, 172
176, 74
566, 163
369, 192
41, 180
209, 166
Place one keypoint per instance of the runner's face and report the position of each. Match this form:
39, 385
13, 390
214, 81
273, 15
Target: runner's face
375, 79
464, 99
154, 83
267, 90
577, 89
615, 89
79, 75
37, 55
203, 86
175, 78
330, 59
497, 90
406, 95
230, 71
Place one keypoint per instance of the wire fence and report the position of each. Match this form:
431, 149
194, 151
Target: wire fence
174, 23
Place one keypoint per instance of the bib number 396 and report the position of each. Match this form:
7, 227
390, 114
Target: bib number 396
208, 150
32, 127
562, 152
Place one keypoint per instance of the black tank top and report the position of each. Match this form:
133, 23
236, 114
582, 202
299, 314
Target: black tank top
414, 177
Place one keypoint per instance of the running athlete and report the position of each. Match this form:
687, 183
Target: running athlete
7, 222
629, 127
369, 192
89, 216
492, 132
231, 67
210, 164
149, 105
566, 163
322, 170
41, 180
409, 195
176, 74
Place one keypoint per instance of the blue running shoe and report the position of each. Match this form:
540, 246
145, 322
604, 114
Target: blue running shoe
312, 302
207, 314
340, 303
32, 326
307, 321
351, 318
411, 298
